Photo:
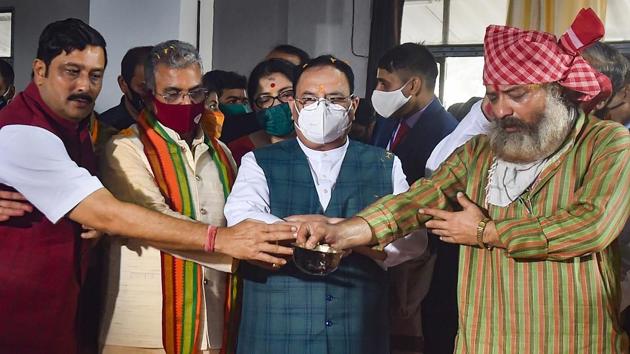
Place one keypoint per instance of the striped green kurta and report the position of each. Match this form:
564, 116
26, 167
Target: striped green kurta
554, 289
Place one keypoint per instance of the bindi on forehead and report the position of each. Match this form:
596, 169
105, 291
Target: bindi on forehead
270, 80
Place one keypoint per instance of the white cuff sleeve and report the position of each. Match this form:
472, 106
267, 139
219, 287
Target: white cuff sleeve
249, 198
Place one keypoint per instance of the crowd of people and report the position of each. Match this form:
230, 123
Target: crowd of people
166, 224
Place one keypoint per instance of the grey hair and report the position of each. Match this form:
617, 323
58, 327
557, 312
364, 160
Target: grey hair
174, 54
610, 62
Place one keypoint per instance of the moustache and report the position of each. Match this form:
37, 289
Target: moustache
81, 97
512, 122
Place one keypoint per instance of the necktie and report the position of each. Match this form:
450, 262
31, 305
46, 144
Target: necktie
400, 135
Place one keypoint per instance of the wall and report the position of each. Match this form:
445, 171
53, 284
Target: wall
126, 24
30, 18
245, 30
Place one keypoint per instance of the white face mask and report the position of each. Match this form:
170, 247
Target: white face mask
386, 103
323, 123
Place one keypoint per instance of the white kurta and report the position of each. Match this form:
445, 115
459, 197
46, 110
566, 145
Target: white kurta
133, 309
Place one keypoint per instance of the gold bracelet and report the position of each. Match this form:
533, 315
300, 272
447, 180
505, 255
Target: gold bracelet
480, 229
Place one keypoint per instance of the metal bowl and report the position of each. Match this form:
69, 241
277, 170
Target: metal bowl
321, 260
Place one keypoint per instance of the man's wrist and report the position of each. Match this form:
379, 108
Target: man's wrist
219, 238
357, 232
490, 235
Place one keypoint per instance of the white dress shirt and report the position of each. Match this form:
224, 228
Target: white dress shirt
249, 198
35, 162
474, 123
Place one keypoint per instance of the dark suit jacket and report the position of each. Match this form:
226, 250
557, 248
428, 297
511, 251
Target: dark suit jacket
439, 305
414, 150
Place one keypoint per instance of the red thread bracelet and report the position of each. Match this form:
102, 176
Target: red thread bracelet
212, 237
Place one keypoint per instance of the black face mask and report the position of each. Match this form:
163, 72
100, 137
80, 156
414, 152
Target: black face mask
3, 99
136, 101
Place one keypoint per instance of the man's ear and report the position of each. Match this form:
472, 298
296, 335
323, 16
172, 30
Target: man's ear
415, 85
39, 71
123, 85
355, 106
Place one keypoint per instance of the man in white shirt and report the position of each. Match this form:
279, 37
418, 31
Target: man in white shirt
47, 156
320, 172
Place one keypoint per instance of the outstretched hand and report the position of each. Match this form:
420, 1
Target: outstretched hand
13, 204
456, 227
313, 218
255, 240
349, 233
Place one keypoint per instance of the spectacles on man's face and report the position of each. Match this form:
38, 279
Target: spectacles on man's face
307, 101
173, 96
267, 101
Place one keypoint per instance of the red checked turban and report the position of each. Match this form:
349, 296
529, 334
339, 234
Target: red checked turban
514, 57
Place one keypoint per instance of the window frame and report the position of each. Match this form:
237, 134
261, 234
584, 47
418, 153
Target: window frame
443, 51
10, 9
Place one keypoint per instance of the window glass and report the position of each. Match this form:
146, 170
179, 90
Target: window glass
469, 19
422, 21
5, 34
463, 79
617, 28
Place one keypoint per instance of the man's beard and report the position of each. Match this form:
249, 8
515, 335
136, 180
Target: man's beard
534, 141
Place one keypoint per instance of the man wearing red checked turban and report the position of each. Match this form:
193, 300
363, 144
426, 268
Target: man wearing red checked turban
534, 205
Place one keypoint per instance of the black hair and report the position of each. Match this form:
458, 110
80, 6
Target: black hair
327, 60
608, 61
413, 58
65, 36
292, 50
6, 71
219, 80
134, 57
266, 68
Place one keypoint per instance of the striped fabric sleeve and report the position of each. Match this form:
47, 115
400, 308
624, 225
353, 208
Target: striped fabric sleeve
392, 217
592, 222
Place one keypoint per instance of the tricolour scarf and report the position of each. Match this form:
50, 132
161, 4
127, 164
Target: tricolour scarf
182, 281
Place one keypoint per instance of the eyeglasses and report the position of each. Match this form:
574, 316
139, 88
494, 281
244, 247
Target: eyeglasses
197, 95
308, 102
266, 101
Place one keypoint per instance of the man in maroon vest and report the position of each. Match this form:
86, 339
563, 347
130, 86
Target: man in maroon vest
46, 155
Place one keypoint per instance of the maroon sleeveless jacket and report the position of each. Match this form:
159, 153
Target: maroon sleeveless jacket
42, 265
